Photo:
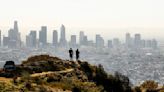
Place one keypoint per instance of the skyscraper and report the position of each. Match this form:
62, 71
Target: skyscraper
91, 43
148, 43
28, 41
16, 31
16, 26
137, 41
110, 44
14, 36
33, 37
11, 34
5, 41
128, 40
154, 44
143, 43
85, 39
99, 41
116, 43
63, 41
43, 36
81, 38
0, 39
55, 38
31, 40
73, 41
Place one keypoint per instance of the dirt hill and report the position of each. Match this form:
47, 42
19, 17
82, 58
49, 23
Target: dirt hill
44, 73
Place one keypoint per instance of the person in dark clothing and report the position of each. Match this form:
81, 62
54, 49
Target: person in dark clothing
77, 54
71, 54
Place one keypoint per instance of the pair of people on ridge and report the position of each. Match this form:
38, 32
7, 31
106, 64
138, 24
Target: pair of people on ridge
71, 54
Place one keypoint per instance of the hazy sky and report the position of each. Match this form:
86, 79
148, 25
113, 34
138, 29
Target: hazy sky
111, 18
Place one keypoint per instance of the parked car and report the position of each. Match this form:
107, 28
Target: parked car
9, 66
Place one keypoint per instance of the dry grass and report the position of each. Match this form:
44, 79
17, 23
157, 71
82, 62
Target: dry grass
6, 80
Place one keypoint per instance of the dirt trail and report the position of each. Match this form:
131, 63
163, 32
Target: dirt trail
48, 73
7, 80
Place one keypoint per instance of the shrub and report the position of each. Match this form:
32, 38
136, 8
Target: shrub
150, 85
137, 89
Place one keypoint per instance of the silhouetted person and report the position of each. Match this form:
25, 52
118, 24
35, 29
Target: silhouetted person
71, 54
77, 54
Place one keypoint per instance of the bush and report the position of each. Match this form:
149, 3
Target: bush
76, 89
86, 68
25, 76
137, 89
117, 83
150, 85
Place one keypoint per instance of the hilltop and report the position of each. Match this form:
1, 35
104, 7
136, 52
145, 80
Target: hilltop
44, 73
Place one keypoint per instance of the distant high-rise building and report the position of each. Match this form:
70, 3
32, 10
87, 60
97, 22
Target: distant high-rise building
11, 34
16, 26
148, 43
85, 39
128, 40
143, 43
0, 39
14, 36
154, 44
81, 38
110, 44
31, 40
28, 41
137, 40
5, 41
43, 36
99, 41
62, 29
16, 31
63, 41
116, 43
34, 39
55, 38
91, 43
73, 41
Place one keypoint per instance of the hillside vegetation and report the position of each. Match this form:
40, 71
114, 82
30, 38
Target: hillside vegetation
44, 73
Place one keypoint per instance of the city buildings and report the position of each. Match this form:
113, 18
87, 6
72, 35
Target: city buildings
137, 40
31, 39
116, 43
13, 40
5, 41
99, 41
43, 36
55, 38
128, 40
110, 44
73, 42
63, 41
85, 40
81, 38
0, 39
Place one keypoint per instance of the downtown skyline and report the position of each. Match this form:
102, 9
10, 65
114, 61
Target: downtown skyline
32, 40
148, 33
91, 32
111, 18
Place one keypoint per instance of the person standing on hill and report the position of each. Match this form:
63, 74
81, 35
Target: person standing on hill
77, 54
71, 54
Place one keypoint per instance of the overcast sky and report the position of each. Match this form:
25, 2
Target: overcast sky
111, 18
